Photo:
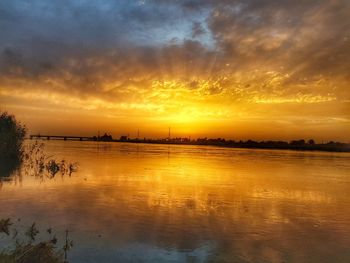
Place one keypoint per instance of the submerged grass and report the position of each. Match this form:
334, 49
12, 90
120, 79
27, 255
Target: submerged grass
37, 163
44, 252
27, 250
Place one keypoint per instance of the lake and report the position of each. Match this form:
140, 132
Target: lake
171, 203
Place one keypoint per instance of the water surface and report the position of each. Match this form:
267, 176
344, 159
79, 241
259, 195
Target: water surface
169, 203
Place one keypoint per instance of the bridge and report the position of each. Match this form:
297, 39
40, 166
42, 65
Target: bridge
61, 137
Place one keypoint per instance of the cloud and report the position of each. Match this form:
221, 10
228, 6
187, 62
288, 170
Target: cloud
217, 52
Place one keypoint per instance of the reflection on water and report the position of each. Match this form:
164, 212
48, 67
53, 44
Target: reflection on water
160, 203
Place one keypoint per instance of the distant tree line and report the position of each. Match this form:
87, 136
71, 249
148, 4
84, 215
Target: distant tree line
293, 145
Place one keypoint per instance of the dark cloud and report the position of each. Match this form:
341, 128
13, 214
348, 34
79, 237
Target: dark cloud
197, 29
311, 37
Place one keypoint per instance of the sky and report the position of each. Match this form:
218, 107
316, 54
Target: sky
238, 69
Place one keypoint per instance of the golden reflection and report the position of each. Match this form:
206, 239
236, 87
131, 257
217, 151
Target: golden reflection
176, 197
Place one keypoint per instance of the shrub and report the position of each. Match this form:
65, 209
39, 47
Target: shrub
12, 134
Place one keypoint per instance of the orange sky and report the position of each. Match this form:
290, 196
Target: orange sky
234, 69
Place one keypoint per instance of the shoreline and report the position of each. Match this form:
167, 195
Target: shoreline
325, 147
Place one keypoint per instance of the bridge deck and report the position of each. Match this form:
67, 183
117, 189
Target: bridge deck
63, 137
